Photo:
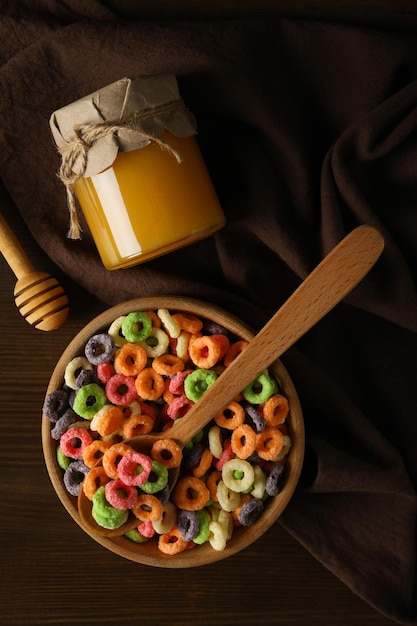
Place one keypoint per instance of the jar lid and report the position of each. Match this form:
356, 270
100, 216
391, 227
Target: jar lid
125, 115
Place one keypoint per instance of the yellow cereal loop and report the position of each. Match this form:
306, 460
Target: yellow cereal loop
169, 323
218, 536
228, 499
156, 343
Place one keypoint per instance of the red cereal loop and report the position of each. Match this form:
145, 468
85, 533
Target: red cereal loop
105, 371
179, 407
148, 508
146, 529
223, 343
121, 390
275, 410
176, 384
130, 359
74, 441
269, 443
204, 351
149, 384
243, 441
227, 454
172, 542
134, 468
119, 495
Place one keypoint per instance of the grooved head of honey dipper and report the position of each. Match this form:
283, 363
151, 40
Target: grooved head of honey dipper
41, 300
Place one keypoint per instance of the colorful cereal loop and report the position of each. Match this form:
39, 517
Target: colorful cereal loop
212, 482
169, 323
147, 508
204, 351
130, 359
167, 452
218, 536
156, 344
149, 384
188, 322
115, 331
158, 478
231, 416
167, 519
260, 389
243, 441
269, 443
275, 410
137, 424
203, 465
121, 390
168, 364
88, 400
74, 441
191, 493
227, 498
94, 452
172, 542
136, 326
215, 441
95, 478
197, 383
238, 475
73, 368
235, 349
181, 348
134, 468
119, 495
107, 420
112, 456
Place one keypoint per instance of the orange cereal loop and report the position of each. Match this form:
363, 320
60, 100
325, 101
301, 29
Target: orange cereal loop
137, 424
243, 441
112, 457
275, 410
107, 420
168, 396
95, 478
167, 452
148, 508
235, 349
149, 384
172, 542
204, 351
212, 481
93, 453
191, 493
188, 322
231, 417
168, 364
204, 464
130, 359
269, 443
156, 322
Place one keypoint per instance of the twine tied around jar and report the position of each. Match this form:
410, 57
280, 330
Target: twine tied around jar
85, 136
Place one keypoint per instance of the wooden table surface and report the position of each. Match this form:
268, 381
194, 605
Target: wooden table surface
53, 573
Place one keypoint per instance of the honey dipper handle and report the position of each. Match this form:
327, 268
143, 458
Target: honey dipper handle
337, 274
12, 251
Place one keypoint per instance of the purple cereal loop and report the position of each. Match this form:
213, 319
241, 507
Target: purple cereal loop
255, 417
250, 511
274, 480
55, 404
63, 424
85, 377
99, 348
188, 524
193, 457
212, 328
74, 476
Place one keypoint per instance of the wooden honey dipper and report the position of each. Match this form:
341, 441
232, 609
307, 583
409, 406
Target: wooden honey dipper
39, 297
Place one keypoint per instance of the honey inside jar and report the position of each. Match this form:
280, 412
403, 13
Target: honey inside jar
147, 204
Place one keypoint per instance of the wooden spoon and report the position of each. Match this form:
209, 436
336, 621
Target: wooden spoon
39, 297
339, 272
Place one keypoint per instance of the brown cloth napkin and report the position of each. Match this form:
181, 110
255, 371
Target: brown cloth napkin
309, 128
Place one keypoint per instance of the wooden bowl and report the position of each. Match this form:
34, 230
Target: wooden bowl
148, 553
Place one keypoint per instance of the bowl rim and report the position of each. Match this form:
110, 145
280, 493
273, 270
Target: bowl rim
242, 537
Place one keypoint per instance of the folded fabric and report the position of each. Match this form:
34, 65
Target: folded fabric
308, 129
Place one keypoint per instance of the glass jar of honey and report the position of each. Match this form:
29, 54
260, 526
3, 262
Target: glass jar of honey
130, 157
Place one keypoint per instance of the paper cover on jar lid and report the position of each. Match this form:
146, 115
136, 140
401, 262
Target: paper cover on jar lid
146, 105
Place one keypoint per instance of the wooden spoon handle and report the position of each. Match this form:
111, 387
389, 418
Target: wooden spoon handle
12, 251
339, 272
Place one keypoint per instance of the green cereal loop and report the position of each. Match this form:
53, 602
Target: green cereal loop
136, 326
159, 476
198, 382
268, 386
135, 536
104, 513
88, 400
62, 460
203, 528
